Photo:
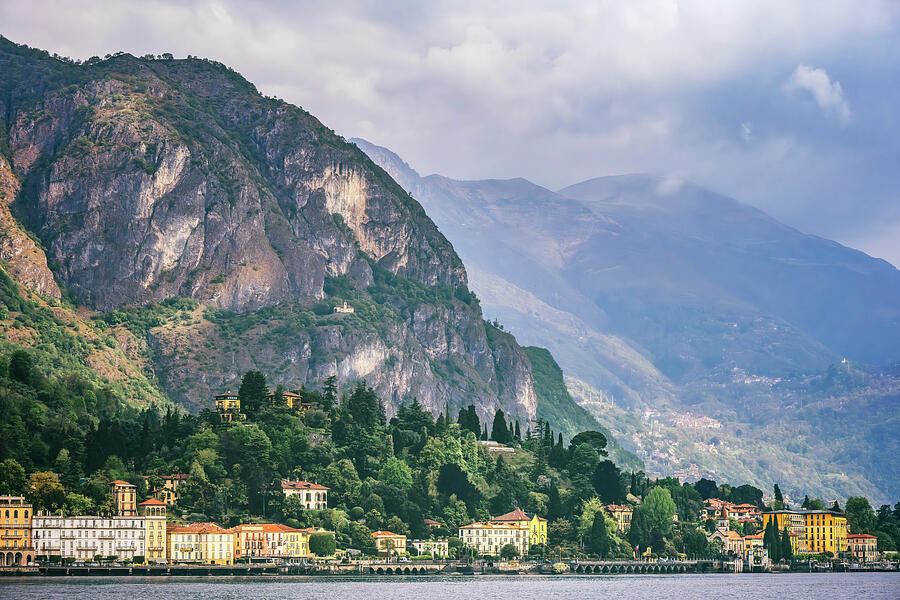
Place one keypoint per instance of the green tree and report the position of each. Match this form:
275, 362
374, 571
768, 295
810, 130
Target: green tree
45, 491
397, 473
659, 509
20, 366
598, 540
322, 544
508, 552
786, 551
12, 477
608, 482
253, 392
499, 430
860, 516
639, 533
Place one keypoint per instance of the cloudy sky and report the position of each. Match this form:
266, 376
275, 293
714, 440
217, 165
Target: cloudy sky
788, 105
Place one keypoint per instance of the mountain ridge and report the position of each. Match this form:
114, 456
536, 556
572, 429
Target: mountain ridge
665, 296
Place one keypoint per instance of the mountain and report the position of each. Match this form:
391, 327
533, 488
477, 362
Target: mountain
210, 229
702, 315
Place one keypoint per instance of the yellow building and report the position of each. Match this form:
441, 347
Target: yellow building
293, 401
229, 407
15, 525
125, 496
200, 543
817, 531
518, 528
389, 544
296, 542
622, 514
168, 492
154, 513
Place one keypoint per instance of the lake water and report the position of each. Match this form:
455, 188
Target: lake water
623, 587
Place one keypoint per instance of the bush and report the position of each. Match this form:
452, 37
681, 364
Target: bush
509, 551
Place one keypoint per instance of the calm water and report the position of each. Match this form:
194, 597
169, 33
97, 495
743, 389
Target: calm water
639, 587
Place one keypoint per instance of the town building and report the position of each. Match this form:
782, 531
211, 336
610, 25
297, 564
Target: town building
756, 557
818, 531
312, 495
712, 509
153, 512
863, 547
228, 406
622, 514
296, 543
438, 548
293, 401
431, 523
200, 543
518, 528
85, 537
125, 496
15, 520
343, 308
389, 544
168, 491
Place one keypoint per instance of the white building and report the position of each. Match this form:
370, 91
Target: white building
83, 537
312, 495
438, 548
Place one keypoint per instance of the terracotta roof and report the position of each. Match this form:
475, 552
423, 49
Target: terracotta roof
734, 535
385, 534
861, 535
516, 515
198, 528
152, 502
287, 484
120, 482
617, 507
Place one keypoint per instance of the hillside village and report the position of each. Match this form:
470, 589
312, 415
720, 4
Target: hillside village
151, 517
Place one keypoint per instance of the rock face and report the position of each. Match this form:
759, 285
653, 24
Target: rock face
147, 179
26, 262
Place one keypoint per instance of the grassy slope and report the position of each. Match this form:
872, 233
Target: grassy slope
556, 405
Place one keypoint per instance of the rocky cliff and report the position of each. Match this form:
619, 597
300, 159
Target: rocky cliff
147, 179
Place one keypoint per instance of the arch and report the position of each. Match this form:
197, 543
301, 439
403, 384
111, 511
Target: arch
18, 559
380, 571
605, 569
406, 571
371, 571
629, 569
28, 558
389, 571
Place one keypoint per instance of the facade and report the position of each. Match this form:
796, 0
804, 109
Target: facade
518, 528
296, 543
250, 541
153, 512
756, 557
200, 543
863, 547
312, 495
622, 514
712, 509
125, 496
228, 406
82, 538
818, 531
436, 548
15, 525
388, 543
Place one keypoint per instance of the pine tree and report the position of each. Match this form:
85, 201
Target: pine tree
805, 504
253, 392
778, 495
836, 507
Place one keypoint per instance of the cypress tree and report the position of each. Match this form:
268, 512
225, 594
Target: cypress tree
499, 430
805, 504
778, 495
559, 443
787, 552
599, 537
518, 431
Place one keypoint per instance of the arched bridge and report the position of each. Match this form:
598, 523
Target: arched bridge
624, 567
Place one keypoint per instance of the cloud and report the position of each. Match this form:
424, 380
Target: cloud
560, 92
828, 94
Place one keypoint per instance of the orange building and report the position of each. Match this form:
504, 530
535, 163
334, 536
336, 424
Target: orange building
389, 544
863, 547
15, 525
125, 496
